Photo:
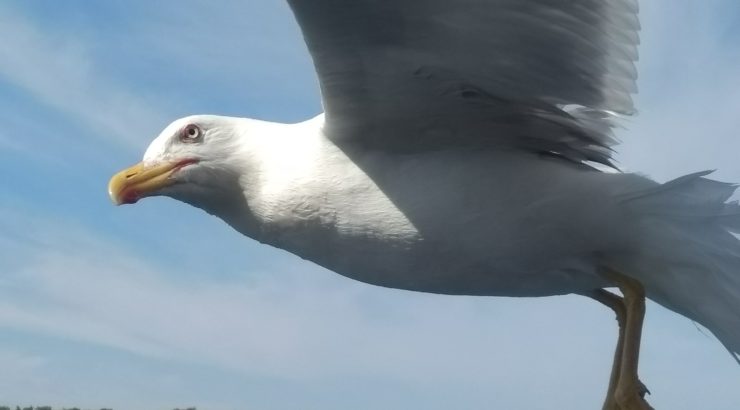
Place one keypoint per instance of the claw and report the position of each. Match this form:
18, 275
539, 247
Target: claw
642, 389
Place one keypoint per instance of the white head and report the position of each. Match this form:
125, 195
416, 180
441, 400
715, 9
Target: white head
197, 159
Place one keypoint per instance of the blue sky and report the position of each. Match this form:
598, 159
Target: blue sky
161, 305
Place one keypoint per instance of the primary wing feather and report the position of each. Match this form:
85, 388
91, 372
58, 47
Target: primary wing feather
544, 74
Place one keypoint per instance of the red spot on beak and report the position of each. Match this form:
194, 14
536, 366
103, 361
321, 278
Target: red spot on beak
130, 196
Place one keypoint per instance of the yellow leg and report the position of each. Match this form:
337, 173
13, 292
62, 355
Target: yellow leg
629, 392
617, 305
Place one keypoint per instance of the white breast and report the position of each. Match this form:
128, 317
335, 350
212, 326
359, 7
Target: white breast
445, 221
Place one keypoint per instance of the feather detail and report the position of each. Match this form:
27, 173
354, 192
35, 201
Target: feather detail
690, 260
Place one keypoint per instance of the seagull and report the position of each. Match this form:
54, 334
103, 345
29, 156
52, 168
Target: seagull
466, 148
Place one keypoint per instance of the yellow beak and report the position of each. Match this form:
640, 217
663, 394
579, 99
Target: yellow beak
140, 180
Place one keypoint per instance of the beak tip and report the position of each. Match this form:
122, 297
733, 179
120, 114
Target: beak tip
124, 197
114, 193
119, 194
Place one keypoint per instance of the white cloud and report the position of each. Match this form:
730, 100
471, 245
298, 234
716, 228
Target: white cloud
57, 69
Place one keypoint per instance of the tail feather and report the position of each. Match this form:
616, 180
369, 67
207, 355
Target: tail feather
689, 259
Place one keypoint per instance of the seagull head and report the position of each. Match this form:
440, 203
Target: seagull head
195, 159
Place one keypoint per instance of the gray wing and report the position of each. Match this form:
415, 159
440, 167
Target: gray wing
548, 75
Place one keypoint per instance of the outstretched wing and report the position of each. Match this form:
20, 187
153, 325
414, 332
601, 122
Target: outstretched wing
546, 74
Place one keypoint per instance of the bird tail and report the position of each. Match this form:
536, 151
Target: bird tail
689, 259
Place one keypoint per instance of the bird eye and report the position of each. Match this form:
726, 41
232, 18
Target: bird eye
191, 133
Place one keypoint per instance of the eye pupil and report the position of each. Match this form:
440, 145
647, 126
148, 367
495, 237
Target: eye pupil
190, 133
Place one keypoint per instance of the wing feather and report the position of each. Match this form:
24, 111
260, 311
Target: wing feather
390, 70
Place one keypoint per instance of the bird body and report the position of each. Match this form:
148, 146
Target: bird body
459, 154
464, 220
450, 220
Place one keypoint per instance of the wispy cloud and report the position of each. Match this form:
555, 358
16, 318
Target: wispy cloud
304, 326
224, 65
89, 76
57, 68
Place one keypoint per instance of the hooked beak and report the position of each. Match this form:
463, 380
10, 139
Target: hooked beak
141, 180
